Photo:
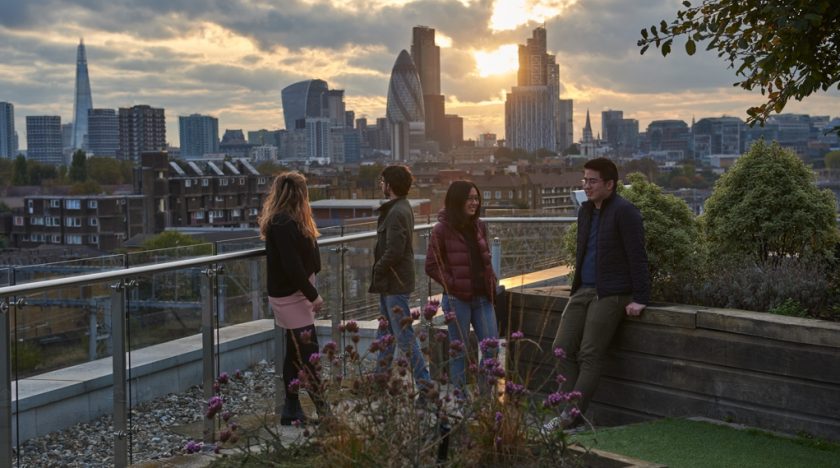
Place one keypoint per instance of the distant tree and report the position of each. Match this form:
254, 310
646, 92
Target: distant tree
270, 167
169, 239
88, 187
543, 153
369, 173
832, 160
646, 166
39, 173
767, 207
680, 181
78, 167
572, 149
786, 48
20, 171
109, 171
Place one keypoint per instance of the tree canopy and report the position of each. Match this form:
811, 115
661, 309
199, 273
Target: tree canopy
767, 207
832, 160
78, 167
786, 48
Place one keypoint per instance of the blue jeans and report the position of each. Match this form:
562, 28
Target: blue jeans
478, 312
404, 337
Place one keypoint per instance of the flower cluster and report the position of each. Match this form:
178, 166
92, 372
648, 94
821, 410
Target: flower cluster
430, 310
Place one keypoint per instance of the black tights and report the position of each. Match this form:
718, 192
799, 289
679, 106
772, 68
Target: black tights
297, 358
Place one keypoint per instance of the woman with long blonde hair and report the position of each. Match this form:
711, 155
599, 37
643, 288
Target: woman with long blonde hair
292, 261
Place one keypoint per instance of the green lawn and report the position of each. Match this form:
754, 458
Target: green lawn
681, 443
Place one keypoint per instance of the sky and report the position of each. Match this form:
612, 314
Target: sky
231, 58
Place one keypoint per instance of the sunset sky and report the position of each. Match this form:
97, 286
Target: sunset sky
231, 58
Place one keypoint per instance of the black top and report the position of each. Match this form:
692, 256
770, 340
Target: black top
291, 258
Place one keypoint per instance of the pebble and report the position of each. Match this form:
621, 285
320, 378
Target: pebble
91, 444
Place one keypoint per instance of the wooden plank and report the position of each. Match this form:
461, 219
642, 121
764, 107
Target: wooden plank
669, 403
726, 383
751, 353
776, 327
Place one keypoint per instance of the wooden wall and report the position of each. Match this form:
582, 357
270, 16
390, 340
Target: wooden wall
773, 372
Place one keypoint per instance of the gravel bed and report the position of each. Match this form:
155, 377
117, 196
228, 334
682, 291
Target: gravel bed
91, 444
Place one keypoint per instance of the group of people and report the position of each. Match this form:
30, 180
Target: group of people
610, 278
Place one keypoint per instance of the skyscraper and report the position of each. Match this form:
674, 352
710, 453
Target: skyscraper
83, 100
43, 139
103, 132
142, 129
426, 56
610, 123
303, 100
199, 135
8, 140
406, 118
334, 107
566, 127
532, 108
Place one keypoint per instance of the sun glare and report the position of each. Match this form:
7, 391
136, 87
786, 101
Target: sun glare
510, 14
503, 60
442, 40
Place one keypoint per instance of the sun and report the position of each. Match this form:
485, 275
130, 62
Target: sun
501, 61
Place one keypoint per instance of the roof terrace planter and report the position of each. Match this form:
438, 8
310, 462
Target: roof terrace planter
773, 372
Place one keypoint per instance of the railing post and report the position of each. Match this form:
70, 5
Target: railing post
256, 288
92, 335
496, 256
279, 357
208, 292
118, 296
6, 384
337, 316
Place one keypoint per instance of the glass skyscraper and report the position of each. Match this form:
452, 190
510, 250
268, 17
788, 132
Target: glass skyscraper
43, 139
8, 140
83, 101
199, 135
303, 100
405, 113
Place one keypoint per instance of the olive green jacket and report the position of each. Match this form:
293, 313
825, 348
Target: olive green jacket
393, 267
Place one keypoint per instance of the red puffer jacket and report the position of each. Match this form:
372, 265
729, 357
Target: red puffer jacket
448, 259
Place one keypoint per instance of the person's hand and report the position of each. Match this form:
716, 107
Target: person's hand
634, 309
318, 303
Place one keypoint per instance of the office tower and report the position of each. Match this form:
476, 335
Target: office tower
349, 118
532, 112
627, 141
669, 135
455, 130
142, 129
83, 100
405, 109
67, 137
426, 57
566, 126
719, 135
8, 139
333, 101
303, 100
610, 121
199, 135
318, 141
43, 139
103, 132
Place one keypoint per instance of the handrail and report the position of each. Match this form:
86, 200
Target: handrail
91, 278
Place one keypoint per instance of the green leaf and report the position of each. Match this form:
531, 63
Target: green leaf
687, 4
666, 48
644, 33
644, 49
690, 47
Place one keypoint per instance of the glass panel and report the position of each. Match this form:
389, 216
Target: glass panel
242, 291
164, 306
529, 247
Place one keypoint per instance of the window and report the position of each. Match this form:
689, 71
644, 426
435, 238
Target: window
37, 238
18, 220
93, 221
236, 213
261, 181
217, 214
205, 182
241, 181
510, 194
72, 204
73, 239
53, 221
93, 204
187, 183
199, 215
72, 221
55, 239
55, 203
486, 194
219, 198
223, 182
93, 239
498, 194
253, 211
36, 220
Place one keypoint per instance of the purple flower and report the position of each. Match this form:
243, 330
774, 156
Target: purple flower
441, 335
559, 353
330, 348
560, 379
383, 324
499, 417
415, 313
223, 378
574, 395
554, 399
314, 358
488, 343
352, 326
224, 435
456, 345
306, 337
294, 385
514, 388
430, 310
517, 335
449, 317
226, 416
237, 375
193, 447
574, 412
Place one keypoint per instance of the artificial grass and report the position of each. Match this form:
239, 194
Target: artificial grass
681, 443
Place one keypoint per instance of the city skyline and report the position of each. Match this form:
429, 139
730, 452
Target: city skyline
231, 61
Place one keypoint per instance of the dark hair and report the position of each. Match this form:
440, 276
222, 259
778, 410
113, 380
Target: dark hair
606, 169
456, 198
399, 178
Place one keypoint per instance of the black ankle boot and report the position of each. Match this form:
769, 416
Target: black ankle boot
292, 411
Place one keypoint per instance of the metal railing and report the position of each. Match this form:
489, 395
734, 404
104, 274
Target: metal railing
13, 298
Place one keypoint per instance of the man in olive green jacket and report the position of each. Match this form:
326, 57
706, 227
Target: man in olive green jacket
393, 270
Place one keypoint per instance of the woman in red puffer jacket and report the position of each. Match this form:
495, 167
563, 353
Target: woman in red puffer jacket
459, 259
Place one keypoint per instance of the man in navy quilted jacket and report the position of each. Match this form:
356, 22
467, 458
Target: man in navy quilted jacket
611, 279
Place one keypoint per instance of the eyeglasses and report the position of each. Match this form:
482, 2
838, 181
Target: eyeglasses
590, 181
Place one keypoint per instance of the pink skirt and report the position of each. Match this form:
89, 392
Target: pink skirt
294, 311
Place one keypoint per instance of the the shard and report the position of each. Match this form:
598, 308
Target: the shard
83, 101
